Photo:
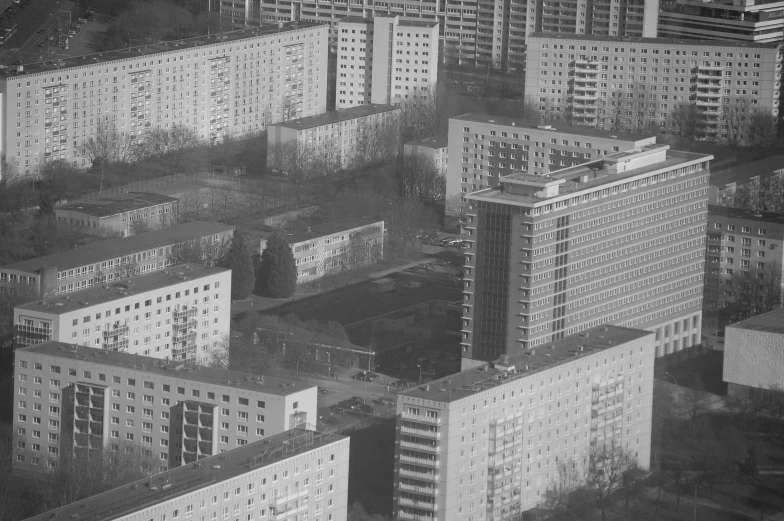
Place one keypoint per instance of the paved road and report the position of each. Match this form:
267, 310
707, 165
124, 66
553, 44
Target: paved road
39, 14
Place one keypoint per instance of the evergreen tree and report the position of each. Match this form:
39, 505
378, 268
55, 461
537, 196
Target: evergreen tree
45, 205
239, 261
277, 271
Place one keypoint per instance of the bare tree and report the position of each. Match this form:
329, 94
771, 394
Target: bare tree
757, 290
425, 113
108, 146
417, 176
218, 354
171, 147
378, 141
683, 121
608, 462
293, 160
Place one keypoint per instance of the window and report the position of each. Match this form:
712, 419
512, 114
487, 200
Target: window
261, 404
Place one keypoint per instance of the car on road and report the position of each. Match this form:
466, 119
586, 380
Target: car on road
428, 372
50, 38
42, 44
40, 31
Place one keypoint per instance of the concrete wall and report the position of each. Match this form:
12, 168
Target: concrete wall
753, 358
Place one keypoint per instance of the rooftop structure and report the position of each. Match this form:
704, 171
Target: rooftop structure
440, 141
688, 42
330, 118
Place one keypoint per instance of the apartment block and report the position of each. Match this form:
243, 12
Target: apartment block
334, 247
750, 176
87, 265
179, 412
485, 443
616, 241
628, 83
434, 148
743, 244
177, 313
385, 60
491, 147
753, 21
217, 85
332, 136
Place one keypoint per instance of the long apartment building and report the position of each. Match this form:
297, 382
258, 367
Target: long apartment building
742, 245
756, 21
631, 83
178, 313
385, 60
484, 148
87, 265
230, 83
96, 399
485, 444
620, 240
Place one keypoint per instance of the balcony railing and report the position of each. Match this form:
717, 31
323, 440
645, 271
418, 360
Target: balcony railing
420, 432
420, 418
424, 447
427, 476
425, 462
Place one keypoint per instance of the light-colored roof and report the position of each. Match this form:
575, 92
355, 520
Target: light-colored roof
117, 204
772, 322
681, 42
339, 116
301, 231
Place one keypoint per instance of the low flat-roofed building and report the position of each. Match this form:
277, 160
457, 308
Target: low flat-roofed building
480, 427
754, 356
725, 183
298, 474
435, 148
125, 214
177, 313
105, 260
170, 407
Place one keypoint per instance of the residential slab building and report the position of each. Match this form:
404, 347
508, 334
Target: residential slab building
615, 82
234, 83
93, 399
485, 148
123, 214
485, 444
743, 246
176, 314
755, 21
748, 176
385, 60
619, 240
332, 137
87, 265
434, 148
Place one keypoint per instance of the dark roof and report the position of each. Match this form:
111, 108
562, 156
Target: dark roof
112, 248
186, 479
739, 213
554, 127
400, 23
300, 231
116, 204
356, 20
741, 173
336, 117
181, 370
684, 42
772, 321
440, 141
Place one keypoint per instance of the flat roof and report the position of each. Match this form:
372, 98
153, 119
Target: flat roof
400, 23
744, 172
170, 369
119, 203
155, 48
186, 479
67, 302
653, 41
298, 231
772, 322
440, 141
117, 247
466, 383
554, 127
739, 213
337, 116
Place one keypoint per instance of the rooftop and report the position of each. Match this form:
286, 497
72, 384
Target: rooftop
741, 173
466, 383
117, 204
440, 141
303, 230
113, 248
137, 285
562, 129
772, 322
186, 479
681, 42
400, 23
181, 370
739, 213
336, 117
151, 49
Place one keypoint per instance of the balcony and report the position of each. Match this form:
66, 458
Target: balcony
184, 313
430, 491
421, 419
424, 505
402, 514
279, 500
422, 433
425, 462
426, 476
423, 447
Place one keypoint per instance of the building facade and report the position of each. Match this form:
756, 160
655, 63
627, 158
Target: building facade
749, 177
124, 214
332, 138
434, 148
80, 268
743, 247
620, 240
385, 60
233, 83
486, 148
476, 445
752, 21
583, 79
180, 412
178, 313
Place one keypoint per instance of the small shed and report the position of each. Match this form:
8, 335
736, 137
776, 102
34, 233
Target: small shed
384, 285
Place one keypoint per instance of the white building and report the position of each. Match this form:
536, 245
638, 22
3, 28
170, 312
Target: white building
176, 314
385, 60
754, 356
434, 148
296, 475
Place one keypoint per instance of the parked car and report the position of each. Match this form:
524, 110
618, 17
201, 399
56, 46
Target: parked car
321, 390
